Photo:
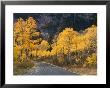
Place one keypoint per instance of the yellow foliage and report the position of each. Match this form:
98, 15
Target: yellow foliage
31, 23
22, 31
91, 32
61, 59
34, 53
91, 60
36, 34
15, 52
32, 45
44, 45
23, 57
67, 41
64, 40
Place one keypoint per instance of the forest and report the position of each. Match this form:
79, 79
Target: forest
67, 48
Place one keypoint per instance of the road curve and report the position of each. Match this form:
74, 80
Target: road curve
42, 68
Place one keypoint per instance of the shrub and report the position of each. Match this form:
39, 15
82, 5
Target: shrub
91, 60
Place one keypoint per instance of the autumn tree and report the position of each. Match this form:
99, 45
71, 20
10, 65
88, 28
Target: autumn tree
68, 47
71, 46
64, 44
26, 37
19, 27
43, 49
86, 44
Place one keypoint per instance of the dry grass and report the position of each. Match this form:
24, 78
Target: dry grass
20, 68
82, 70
